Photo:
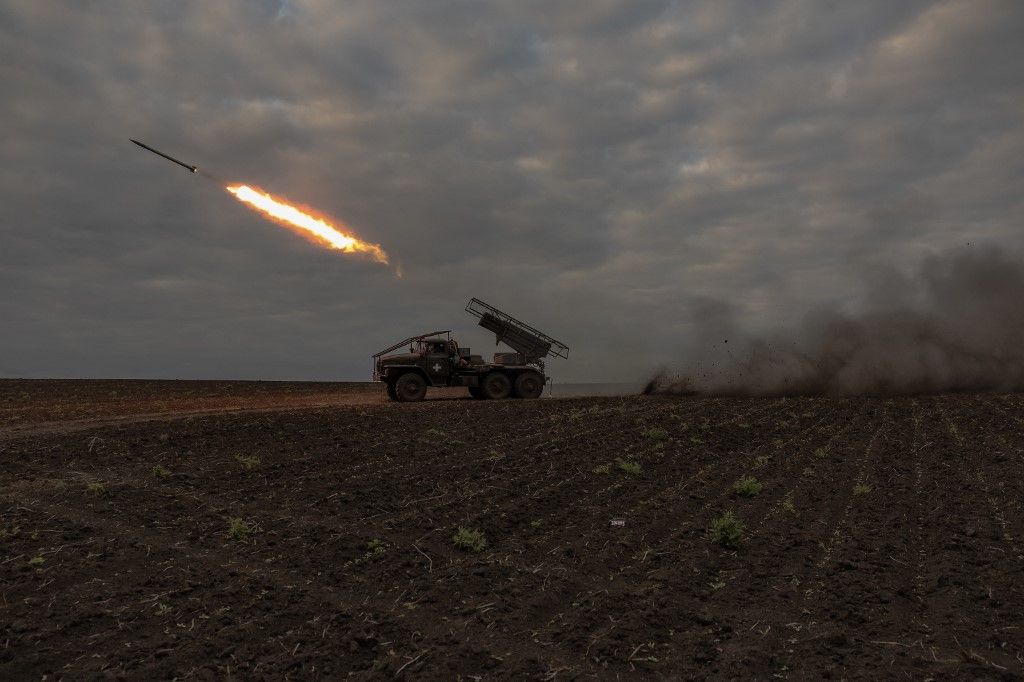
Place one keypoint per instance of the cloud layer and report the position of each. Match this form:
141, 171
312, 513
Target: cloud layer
598, 168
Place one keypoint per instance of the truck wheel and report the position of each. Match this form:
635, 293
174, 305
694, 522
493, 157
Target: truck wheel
476, 392
410, 388
529, 385
391, 390
496, 386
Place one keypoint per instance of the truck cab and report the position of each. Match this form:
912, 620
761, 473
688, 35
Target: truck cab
438, 357
430, 357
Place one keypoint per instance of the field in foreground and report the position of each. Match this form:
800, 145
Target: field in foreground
886, 539
31, 402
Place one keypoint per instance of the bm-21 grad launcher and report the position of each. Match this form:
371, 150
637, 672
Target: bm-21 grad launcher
436, 359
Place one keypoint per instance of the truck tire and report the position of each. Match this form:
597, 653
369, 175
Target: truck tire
410, 388
496, 386
528, 385
391, 390
476, 392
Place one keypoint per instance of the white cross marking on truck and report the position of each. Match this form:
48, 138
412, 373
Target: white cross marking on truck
437, 366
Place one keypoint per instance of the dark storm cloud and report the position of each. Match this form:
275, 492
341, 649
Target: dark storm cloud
598, 167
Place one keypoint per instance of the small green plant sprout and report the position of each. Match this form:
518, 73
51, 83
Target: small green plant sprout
603, 469
375, 549
748, 486
727, 530
96, 488
161, 472
469, 540
9, 531
239, 529
535, 524
629, 467
654, 433
787, 504
821, 453
249, 463
432, 435
36, 561
861, 489
761, 461
161, 609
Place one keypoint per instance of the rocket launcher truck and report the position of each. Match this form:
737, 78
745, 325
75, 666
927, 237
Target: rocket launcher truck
436, 359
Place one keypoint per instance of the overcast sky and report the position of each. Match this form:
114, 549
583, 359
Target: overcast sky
599, 168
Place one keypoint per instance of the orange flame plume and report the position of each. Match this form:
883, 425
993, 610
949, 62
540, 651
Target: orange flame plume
317, 229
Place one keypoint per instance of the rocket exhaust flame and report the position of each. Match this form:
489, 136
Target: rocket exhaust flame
316, 229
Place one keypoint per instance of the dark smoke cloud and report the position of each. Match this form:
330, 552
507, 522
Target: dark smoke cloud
956, 324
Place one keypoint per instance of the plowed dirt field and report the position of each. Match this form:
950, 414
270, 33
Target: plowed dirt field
886, 539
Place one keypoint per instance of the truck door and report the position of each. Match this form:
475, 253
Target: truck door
439, 364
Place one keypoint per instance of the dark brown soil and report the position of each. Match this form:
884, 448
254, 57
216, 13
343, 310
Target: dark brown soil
887, 540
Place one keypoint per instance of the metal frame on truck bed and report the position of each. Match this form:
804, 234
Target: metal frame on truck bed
435, 360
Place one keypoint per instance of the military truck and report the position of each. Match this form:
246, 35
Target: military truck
436, 359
